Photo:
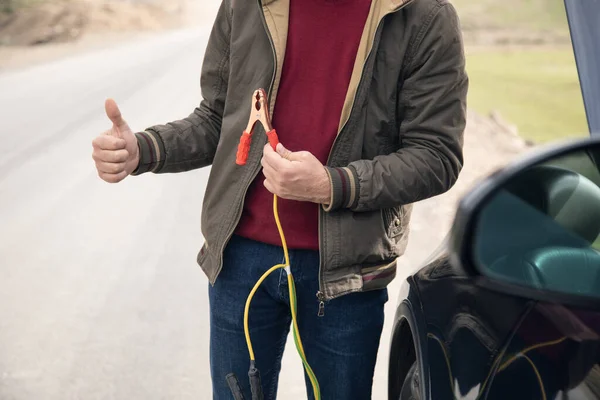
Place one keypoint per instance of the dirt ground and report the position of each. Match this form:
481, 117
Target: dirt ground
56, 29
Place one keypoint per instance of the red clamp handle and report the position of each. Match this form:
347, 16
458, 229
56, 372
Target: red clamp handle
243, 149
244, 146
273, 139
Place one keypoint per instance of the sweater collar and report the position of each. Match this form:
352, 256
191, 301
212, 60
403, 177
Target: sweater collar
385, 4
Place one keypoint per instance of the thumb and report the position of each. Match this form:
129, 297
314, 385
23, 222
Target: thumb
287, 154
114, 114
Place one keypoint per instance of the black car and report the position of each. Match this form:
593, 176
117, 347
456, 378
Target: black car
510, 308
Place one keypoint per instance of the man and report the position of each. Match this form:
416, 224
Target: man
369, 102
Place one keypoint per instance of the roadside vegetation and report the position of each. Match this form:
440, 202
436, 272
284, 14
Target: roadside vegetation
521, 64
537, 90
10, 6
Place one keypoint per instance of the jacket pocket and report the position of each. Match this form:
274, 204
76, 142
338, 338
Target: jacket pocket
392, 221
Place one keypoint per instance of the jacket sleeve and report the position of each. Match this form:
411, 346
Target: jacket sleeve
191, 143
432, 101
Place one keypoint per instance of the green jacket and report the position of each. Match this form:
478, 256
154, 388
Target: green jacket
400, 133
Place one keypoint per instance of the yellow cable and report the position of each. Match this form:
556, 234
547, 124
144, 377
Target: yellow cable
528, 349
295, 319
286, 265
537, 373
313, 379
506, 364
286, 254
443, 347
247, 308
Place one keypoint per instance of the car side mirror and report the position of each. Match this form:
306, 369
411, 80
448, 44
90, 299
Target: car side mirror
533, 228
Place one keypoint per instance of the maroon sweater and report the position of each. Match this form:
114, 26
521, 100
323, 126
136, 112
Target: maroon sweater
322, 42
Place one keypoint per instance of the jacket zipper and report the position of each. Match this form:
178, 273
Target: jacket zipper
320, 294
257, 170
321, 299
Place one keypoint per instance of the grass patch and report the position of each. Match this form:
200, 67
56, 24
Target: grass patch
538, 90
10, 6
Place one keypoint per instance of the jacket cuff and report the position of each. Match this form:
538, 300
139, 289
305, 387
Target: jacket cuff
345, 188
152, 152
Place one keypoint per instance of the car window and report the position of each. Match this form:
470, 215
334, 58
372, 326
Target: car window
542, 229
580, 162
584, 163
517, 243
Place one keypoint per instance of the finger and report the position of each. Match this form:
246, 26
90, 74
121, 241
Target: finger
283, 174
266, 166
107, 142
111, 156
283, 152
274, 160
270, 173
291, 155
110, 168
116, 132
114, 114
112, 178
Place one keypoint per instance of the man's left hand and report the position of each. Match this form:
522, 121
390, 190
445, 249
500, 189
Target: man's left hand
295, 175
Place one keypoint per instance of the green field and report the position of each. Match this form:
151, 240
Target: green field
9, 6
538, 90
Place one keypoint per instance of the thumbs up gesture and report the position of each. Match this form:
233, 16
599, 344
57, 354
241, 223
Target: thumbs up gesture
116, 151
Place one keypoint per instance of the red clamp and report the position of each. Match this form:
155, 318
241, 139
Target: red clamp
258, 113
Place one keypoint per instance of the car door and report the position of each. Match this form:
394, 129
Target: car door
555, 351
584, 24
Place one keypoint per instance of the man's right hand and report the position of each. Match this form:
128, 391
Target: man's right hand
116, 151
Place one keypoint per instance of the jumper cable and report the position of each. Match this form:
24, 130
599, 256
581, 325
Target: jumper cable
260, 113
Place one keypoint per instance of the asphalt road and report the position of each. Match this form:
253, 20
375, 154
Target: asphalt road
100, 294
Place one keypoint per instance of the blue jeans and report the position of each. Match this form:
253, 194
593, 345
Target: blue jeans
341, 346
